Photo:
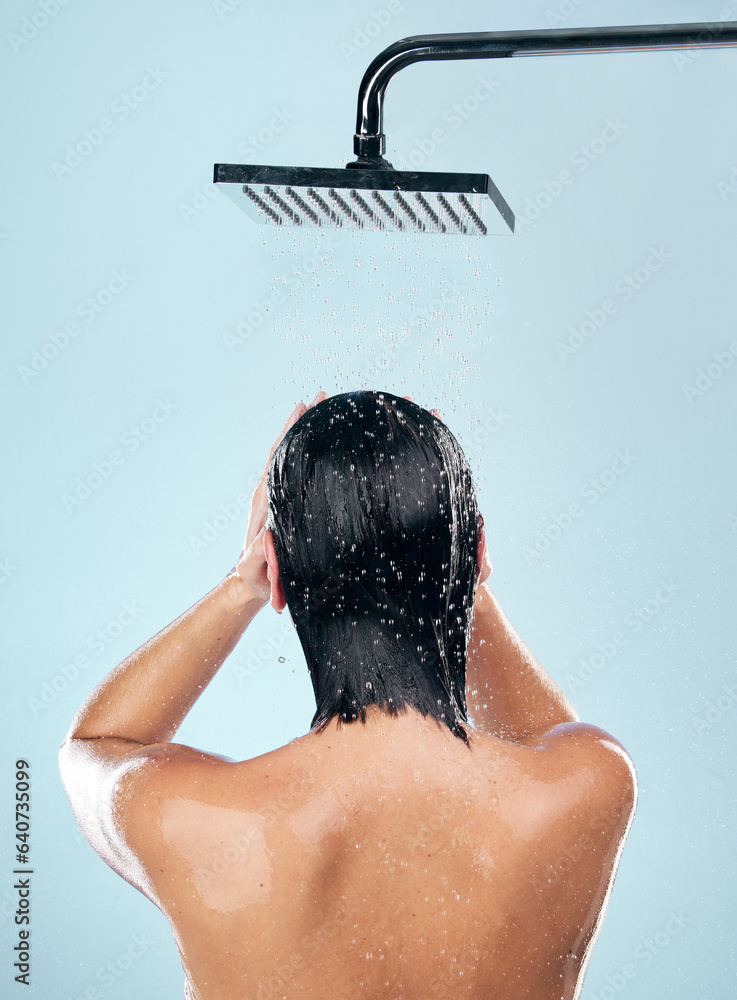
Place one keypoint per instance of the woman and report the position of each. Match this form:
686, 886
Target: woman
399, 849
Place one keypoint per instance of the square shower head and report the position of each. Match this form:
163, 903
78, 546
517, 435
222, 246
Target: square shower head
366, 199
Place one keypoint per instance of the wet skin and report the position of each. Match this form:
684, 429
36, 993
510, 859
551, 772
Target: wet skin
384, 861
387, 860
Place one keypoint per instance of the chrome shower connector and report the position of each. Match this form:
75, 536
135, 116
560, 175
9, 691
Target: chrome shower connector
370, 194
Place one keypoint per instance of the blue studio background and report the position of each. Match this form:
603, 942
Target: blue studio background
587, 364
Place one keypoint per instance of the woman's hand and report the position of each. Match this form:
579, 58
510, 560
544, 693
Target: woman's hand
251, 566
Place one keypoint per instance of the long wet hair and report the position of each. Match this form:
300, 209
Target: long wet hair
374, 516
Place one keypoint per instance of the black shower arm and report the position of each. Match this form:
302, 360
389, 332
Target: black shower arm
369, 142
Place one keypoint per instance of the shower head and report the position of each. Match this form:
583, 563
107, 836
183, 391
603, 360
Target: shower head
366, 198
370, 194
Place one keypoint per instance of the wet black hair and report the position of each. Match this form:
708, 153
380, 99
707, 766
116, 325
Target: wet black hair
375, 522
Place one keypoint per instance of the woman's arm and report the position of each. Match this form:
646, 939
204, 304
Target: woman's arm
117, 758
509, 693
146, 697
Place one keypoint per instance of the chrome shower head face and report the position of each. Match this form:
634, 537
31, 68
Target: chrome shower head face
366, 199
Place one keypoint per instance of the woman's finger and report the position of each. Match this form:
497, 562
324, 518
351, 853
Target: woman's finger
259, 504
258, 499
318, 398
299, 410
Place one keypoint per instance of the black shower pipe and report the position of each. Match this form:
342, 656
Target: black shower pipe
369, 142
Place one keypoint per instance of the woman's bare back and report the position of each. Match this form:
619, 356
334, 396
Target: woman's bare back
387, 861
